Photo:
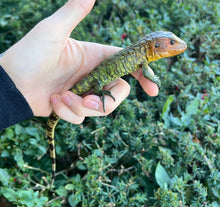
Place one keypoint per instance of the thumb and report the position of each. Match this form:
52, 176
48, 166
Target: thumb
69, 16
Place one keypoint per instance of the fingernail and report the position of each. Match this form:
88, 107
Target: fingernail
91, 104
67, 100
53, 100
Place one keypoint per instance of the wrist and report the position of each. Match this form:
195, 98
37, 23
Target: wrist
14, 72
14, 107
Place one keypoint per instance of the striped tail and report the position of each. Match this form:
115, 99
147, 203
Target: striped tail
51, 124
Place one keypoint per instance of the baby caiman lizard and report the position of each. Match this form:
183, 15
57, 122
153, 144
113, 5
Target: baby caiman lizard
151, 47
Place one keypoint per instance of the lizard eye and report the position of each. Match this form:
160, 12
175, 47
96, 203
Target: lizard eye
157, 45
172, 42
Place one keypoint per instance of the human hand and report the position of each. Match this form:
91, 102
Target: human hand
47, 62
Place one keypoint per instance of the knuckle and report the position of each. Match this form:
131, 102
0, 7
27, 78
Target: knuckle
79, 112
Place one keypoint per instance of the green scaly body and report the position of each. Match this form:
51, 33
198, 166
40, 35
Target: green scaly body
152, 47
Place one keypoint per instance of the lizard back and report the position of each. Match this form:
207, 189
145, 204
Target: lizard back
122, 63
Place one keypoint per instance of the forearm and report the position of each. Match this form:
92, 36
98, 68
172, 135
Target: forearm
13, 106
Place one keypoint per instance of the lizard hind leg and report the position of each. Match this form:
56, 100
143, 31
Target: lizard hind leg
101, 93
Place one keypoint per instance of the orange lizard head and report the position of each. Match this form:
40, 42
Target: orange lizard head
162, 44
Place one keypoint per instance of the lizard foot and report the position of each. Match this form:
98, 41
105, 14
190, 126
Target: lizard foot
156, 80
103, 97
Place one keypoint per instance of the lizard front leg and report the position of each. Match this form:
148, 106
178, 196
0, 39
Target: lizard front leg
147, 74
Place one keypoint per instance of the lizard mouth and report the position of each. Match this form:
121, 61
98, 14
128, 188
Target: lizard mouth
179, 47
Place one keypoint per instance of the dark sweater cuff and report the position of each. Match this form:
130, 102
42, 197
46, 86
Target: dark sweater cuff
13, 106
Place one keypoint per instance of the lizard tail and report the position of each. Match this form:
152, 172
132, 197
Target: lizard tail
51, 124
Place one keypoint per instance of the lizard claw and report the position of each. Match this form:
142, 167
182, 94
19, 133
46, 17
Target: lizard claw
103, 97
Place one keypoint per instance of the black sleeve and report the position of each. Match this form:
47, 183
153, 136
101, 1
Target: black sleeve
13, 106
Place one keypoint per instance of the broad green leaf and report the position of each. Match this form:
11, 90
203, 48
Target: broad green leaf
161, 176
98, 152
176, 120
72, 201
10, 194
33, 141
187, 120
215, 204
18, 129
32, 131
80, 165
26, 197
166, 107
19, 158
42, 200
10, 133
4, 177
69, 186
165, 111
192, 108
5, 153
43, 149
62, 191
36, 194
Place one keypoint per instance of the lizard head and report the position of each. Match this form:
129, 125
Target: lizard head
164, 44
